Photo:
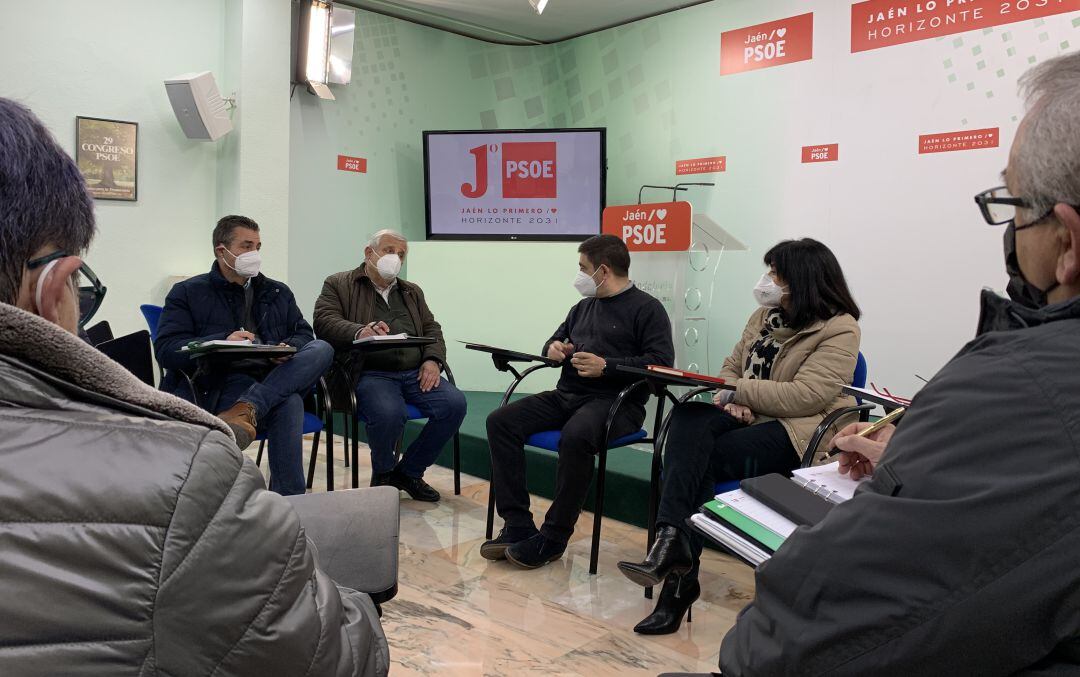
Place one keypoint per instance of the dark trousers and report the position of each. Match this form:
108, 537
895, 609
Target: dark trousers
279, 409
705, 447
581, 419
381, 397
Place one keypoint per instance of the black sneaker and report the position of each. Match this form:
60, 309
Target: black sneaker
534, 552
495, 550
415, 487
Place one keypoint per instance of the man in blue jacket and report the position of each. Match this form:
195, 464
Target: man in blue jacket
235, 302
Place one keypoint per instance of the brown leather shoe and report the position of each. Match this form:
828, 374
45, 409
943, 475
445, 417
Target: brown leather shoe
240, 415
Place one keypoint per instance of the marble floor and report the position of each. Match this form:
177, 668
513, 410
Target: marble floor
459, 614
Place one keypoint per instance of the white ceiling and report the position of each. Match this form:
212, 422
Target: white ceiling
515, 22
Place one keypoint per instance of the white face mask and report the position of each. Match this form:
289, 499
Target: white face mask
388, 265
585, 284
247, 264
767, 293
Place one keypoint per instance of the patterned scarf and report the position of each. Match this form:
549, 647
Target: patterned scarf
759, 361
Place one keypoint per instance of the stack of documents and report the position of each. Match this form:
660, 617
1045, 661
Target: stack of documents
753, 530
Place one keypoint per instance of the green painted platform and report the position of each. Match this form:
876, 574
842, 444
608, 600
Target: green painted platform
627, 492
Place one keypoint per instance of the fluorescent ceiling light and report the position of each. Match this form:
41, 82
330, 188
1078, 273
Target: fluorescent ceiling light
318, 41
538, 5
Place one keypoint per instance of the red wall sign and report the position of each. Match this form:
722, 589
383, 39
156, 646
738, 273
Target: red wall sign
352, 164
769, 44
971, 139
653, 227
829, 152
883, 23
701, 165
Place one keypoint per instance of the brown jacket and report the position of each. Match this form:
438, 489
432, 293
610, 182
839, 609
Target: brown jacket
347, 303
806, 375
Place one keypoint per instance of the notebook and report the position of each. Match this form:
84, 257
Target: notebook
752, 529
375, 339
671, 371
827, 482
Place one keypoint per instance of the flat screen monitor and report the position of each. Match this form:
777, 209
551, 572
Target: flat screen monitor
536, 184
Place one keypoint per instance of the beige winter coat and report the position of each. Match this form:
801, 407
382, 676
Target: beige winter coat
804, 386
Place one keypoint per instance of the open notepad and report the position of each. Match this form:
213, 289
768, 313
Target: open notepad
376, 339
752, 528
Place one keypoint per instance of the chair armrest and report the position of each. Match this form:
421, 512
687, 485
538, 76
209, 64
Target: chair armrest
449, 374
623, 394
355, 533
823, 428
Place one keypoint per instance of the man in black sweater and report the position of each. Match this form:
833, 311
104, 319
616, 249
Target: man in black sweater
616, 324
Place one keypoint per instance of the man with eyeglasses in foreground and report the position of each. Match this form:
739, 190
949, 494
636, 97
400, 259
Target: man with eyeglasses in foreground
134, 535
960, 556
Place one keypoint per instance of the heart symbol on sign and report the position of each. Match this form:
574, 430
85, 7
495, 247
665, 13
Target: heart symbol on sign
781, 32
661, 213
553, 210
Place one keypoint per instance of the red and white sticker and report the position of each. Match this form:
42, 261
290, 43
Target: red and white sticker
972, 139
766, 45
829, 152
348, 163
701, 165
883, 23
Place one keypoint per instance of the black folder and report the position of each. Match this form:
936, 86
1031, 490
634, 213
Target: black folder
787, 498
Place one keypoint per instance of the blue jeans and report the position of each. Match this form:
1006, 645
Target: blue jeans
381, 398
279, 410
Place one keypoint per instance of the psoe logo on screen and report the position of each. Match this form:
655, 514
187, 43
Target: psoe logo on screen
527, 169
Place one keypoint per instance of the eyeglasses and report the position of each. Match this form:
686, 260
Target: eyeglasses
90, 296
999, 207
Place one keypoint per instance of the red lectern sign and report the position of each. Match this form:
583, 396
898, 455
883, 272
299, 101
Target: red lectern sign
769, 44
654, 227
883, 23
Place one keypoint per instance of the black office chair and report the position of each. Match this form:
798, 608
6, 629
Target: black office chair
133, 352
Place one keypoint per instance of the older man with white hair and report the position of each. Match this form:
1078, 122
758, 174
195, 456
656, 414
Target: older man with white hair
372, 301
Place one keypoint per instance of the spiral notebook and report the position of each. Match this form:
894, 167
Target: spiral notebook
827, 482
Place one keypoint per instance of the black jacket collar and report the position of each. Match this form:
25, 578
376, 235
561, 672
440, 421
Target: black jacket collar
998, 313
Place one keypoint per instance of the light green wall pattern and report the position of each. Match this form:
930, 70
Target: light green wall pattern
655, 86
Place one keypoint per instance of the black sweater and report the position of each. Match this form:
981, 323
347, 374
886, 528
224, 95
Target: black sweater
630, 329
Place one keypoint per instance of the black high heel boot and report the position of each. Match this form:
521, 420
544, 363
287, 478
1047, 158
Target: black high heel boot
670, 554
676, 598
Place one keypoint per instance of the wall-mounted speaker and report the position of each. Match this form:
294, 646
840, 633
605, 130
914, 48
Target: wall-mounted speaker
198, 106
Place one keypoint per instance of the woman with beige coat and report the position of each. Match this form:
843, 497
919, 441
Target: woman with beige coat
787, 369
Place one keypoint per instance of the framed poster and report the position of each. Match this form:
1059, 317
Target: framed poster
106, 152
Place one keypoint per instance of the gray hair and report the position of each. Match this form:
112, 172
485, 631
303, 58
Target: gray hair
1046, 169
385, 232
43, 197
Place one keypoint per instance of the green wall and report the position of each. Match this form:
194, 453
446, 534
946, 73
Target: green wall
109, 59
901, 224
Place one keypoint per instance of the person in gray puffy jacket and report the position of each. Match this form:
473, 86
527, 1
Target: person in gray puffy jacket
135, 538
